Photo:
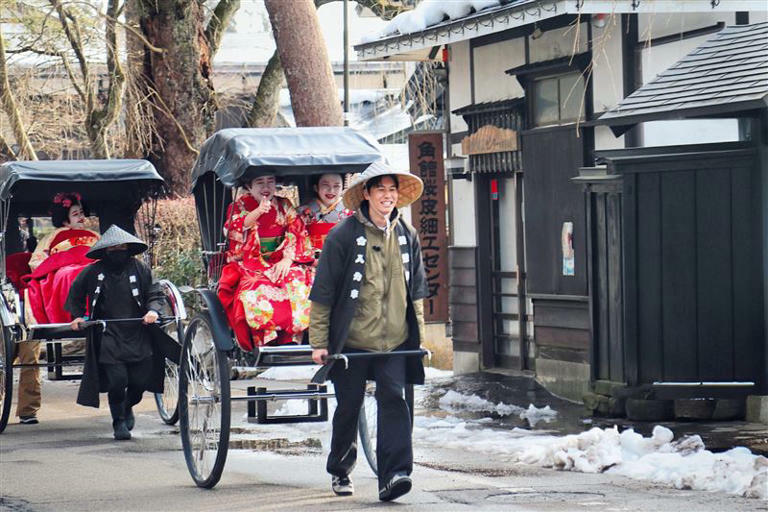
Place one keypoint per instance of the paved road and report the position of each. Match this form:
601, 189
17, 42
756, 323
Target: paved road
69, 462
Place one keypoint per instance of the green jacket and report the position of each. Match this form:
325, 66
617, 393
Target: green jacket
379, 321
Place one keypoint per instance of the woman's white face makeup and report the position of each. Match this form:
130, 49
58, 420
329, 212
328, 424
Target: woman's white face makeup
263, 187
329, 188
76, 217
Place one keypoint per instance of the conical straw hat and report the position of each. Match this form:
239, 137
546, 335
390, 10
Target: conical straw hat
409, 187
116, 236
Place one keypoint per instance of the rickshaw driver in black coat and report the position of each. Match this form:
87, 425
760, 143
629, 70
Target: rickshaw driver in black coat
120, 359
367, 296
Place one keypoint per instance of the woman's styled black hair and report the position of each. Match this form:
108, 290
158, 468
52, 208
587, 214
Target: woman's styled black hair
377, 179
315, 180
61, 206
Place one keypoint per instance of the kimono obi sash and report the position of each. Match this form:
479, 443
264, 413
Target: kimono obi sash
69, 238
268, 245
318, 231
270, 238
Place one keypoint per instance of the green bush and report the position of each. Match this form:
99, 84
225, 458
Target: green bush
181, 268
176, 255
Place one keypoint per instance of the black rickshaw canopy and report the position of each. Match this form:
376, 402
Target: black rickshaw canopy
32, 181
113, 190
234, 154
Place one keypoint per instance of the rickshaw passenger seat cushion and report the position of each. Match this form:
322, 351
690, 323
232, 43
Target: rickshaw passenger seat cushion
17, 265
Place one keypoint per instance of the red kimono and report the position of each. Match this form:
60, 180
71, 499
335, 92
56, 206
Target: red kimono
321, 219
56, 262
261, 311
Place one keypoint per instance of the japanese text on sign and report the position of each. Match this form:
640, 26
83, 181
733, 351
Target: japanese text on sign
426, 159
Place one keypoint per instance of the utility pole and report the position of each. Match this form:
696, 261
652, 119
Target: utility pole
346, 62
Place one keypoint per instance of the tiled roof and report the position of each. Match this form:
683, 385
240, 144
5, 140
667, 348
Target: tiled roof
727, 73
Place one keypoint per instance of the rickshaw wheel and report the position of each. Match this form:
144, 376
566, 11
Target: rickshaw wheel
168, 401
366, 426
6, 376
367, 422
204, 403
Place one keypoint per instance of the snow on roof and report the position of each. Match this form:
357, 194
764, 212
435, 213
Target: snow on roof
428, 13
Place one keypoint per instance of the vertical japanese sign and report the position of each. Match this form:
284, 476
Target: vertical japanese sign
428, 214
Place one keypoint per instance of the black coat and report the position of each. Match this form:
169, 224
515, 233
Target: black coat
85, 291
342, 256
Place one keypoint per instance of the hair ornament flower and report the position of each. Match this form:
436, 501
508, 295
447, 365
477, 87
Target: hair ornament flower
65, 198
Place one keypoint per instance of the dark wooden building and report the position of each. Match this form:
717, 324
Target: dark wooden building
678, 235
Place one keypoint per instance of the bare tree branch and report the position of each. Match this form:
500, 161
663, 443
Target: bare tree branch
163, 107
75, 41
32, 49
11, 109
222, 15
111, 110
266, 104
72, 77
6, 148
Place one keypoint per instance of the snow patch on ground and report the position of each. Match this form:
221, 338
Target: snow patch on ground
435, 373
452, 401
683, 464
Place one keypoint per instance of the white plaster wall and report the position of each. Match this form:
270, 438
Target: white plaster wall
758, 16
607, 76
604, 139
490, 62
665, 133
557, 43
651, 26
459, 80
463, 204
690, 131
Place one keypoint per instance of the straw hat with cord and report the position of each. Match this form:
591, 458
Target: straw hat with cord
409, 186
115, 236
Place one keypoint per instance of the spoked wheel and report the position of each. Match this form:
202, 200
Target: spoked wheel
168, 401
367, 422
204, 403
6, 376
366, 426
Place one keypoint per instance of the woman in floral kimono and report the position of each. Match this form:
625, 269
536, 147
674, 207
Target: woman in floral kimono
57, 260
326, 210
55, 263
264, 287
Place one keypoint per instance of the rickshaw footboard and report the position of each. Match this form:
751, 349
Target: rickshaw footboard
315, 395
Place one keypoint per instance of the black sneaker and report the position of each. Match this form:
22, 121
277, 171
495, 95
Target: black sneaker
130, 419
28, 420
121, 431
399, 484
342, 485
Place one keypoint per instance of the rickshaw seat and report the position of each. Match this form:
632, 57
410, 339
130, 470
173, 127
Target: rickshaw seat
17, 265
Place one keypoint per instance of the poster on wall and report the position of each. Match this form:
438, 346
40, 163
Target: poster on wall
568, 253
425, 150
